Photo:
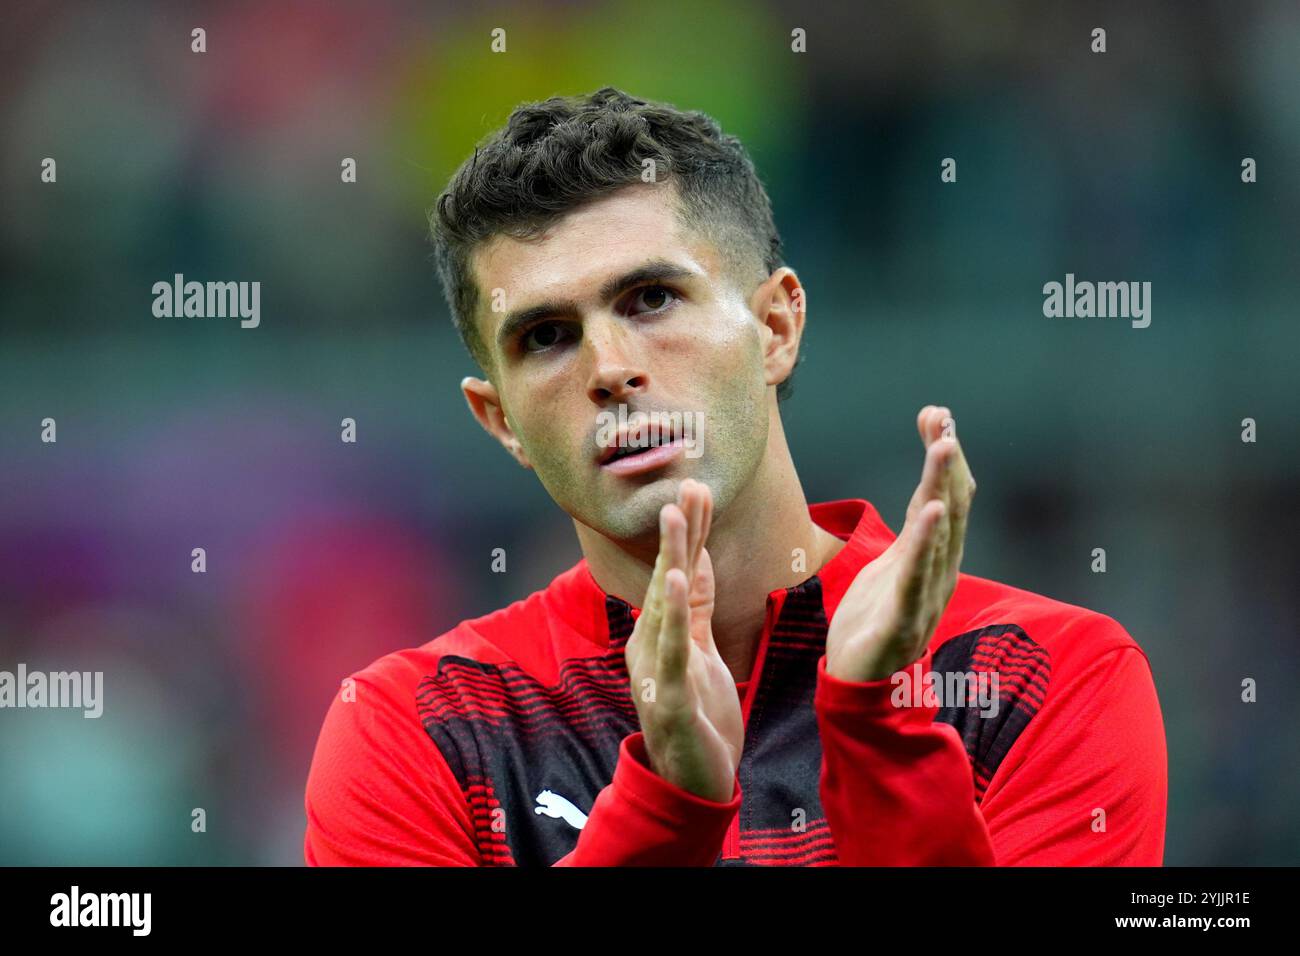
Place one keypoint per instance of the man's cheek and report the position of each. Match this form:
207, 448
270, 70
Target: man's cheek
552, 458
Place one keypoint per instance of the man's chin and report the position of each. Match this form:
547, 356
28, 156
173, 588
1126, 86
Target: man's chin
632, 516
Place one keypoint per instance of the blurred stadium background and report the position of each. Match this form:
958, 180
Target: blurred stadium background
175, 434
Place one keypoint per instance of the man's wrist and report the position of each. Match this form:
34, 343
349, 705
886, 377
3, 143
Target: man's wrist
875, 668
697, 787
865, 702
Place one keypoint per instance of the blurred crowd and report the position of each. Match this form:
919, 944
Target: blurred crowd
321, 556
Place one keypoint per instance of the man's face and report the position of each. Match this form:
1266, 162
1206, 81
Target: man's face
595, 337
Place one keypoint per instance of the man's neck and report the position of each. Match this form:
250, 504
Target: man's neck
753, 548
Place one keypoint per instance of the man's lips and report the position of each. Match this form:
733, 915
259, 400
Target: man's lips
647, 459
633, 440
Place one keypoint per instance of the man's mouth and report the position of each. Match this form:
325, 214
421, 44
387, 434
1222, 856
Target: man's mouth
630, 441
633, 453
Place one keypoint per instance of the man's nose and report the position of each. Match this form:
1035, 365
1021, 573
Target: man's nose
616, 373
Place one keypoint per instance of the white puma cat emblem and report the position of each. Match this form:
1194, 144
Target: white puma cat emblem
554, 805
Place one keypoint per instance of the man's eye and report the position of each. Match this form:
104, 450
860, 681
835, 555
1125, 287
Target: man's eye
656, 298
543, 336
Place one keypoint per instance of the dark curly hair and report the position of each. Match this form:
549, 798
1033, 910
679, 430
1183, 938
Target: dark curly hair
554, 156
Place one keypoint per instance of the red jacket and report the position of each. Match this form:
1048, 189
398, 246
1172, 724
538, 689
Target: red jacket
513, 740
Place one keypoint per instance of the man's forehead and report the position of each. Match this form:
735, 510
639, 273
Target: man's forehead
614, 231
584, 250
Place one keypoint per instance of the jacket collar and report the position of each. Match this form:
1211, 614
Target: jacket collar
582, 604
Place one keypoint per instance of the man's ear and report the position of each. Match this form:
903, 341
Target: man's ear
779, 304
485, 406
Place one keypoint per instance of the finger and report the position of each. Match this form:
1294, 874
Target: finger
700, 600
677, 527
670, 519
645, 631
942, 576
930, 486
943, 434
960, 490
930, 423
921, 427
934, 597
943, 430
953, 485
942, 424
943, 479
688, 498
937, 559
960, 498
650, 620
916, 560
706, 515
674, 639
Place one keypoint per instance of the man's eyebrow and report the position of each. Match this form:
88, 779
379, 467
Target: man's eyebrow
657, 270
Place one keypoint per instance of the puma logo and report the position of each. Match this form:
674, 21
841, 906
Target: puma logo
554, 805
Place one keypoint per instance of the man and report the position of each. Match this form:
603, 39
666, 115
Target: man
729, 676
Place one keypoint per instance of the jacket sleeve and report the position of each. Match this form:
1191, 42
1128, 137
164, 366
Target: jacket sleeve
1084, 784
379, 793
640, 819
